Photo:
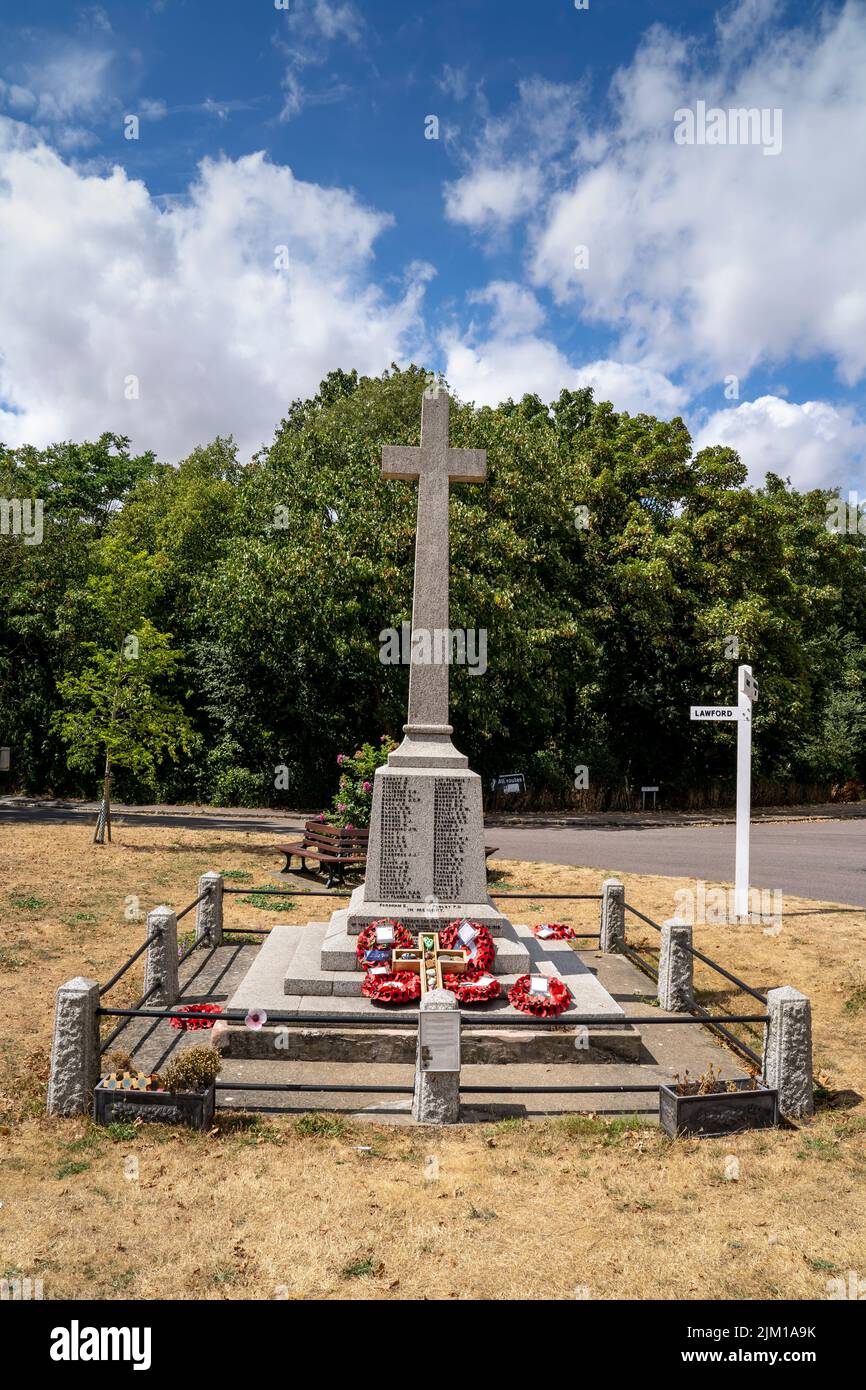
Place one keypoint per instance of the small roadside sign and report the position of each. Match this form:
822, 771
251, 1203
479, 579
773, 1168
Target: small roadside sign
714, 712
509, 783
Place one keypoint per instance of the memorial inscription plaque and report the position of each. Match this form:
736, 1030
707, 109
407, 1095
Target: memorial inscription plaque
399, 843
450, 838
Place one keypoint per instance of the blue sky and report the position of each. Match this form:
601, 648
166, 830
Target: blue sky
140, 289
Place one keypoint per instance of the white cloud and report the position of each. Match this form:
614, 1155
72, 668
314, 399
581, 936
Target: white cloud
493, 197
61, 85
337, 21
454, 82
738, 24
492, 371
72, 82
153, 108
515, 308
312, 29
101, 283
712, 259
511, 359
510, 162
814, 444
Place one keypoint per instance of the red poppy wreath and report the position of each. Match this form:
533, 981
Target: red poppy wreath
547, 1005
467, 990
393, 988
485, 951
190, 1023
553, 931
367, 941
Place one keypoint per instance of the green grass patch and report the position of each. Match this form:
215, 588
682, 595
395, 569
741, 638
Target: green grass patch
819, 1146
360, 1269
90, 1140
69, 1168
611, 1132
121, 1131
320, 1126
511, 1125
10, 960
268, 902
238, 875
30, 903
258, 1132
856, 1001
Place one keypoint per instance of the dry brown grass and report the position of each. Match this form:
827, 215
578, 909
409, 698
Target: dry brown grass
519, 1209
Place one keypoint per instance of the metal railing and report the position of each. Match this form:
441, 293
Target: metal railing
410, 1019
195, 902
119, 974
715, 1021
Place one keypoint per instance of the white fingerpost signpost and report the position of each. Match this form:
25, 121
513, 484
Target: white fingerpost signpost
747, 694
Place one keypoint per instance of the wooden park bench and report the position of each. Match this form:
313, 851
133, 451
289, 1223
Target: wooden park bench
332, 847
335, 849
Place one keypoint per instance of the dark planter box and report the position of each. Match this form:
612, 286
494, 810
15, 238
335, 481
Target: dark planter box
192, 1108
726, 1112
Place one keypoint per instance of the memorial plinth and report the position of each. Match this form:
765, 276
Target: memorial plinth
425, 858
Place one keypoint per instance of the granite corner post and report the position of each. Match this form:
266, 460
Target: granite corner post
788, 1051
74, 1048
436, 1100
160, 969
611, 937
209, 912
676, 967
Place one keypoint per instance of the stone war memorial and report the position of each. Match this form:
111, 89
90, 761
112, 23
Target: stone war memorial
426, 874
424, 970
421, 932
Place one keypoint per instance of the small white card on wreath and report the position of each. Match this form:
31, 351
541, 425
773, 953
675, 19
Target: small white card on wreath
484, 981
385, 935
539, 984
379, 970
544, 932
467, 933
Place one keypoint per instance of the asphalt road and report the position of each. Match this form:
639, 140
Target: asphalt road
822, 859
817, 859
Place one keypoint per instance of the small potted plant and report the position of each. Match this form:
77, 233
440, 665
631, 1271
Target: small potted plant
182, 1094
710, 1106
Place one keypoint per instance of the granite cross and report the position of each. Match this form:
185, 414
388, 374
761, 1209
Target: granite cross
434, 466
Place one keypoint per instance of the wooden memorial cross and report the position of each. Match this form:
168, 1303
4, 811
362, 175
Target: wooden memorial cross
431, 960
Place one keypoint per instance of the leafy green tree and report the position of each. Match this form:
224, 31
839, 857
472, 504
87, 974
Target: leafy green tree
81, 487
114, 708
619, 577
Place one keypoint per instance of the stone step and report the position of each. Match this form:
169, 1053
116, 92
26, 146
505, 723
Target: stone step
512, 955
339, 952
419, 916
257, 984
306, 974
369, 1045
559, 958
474, 1107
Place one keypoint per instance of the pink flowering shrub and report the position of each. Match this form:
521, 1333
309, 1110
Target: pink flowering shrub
354, 795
